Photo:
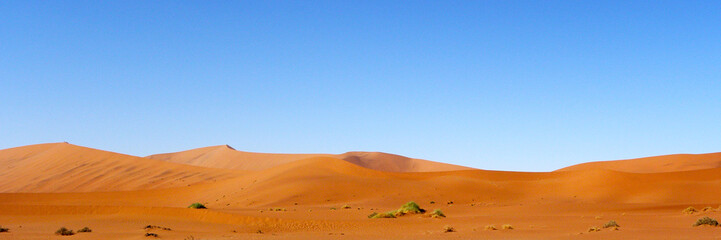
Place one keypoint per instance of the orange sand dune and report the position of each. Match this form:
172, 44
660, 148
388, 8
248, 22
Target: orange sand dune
63, 167
224, 156
119, 198
667, 163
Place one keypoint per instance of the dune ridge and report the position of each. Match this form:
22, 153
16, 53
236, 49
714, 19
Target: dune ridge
224, 156
63, 167
656, 164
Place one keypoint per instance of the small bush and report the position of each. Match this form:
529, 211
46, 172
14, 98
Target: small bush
157, 227
151, 234
277, 209
611, 223
345, 207
197, 206
381, 215
491, 227
2, 229
408, 208
706, 209
448, 229
507, 227
594, 229
85, 229
64, 232
437, 214
706, 221
434, 202
689, 210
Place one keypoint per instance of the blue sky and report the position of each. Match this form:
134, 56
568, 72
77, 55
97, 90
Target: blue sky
503, 85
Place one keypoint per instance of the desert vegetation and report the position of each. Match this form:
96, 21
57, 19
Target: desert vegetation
507, 227
64, 232
197, 206
408, 208
611, 224
2, 229
448, 229
437, 214
151, 234
149, 227
85, 230
689, 210
490, 227
706, 221
594, 229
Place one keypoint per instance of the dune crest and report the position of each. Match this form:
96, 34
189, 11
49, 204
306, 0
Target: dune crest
63, 167
224, 156
657, 164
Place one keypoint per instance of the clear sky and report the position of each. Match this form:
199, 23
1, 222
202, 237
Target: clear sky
503, 85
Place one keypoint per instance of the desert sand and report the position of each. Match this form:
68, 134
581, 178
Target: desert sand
329, 196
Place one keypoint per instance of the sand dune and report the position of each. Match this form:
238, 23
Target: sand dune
667, 163
224, 156
63, 167
50, 185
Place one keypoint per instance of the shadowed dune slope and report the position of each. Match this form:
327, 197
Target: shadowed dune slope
667, 163
63, 167
396, 163
226, 157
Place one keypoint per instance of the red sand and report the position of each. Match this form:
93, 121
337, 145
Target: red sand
48, 186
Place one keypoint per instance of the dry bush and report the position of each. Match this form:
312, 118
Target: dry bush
706, 221
64, 232
507, 227
611, 223
490, 227
448, 229
689, 210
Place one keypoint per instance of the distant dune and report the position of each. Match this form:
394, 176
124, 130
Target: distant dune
326, 196
226, 157
667, 163
63, 167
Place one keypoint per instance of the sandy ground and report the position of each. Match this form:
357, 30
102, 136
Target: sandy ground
118, 195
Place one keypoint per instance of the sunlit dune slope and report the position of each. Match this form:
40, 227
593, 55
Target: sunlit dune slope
63, 167
667, 163
226, 157
327, 180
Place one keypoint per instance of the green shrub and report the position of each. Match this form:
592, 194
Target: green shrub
611, 223
706, 221
64, 232
408, 208
437, 214
197, 206
85, 229
381, 215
